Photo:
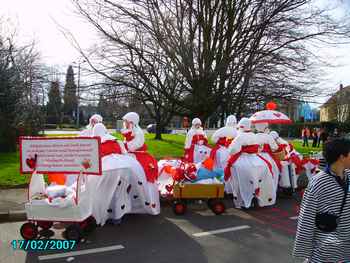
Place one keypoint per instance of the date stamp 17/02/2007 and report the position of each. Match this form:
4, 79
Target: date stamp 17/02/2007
44, 244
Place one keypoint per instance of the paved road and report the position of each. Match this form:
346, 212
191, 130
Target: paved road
264, 235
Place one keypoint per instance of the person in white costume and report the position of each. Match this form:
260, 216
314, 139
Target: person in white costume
94, 119
247, 173
222, 139
196, 143
287, 169
122, 188
268, 146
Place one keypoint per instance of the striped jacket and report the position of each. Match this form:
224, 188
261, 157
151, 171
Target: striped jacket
324, 194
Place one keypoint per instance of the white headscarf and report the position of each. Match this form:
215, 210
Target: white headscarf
231, 121
132, 117
196, 121
244, 124
97, 118
262, 127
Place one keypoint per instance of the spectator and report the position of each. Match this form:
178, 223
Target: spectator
305, 134
323, 231
336, 133
324, 136
314, 137
319, 132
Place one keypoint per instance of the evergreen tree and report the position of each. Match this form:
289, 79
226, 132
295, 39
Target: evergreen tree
54, 106
70, 93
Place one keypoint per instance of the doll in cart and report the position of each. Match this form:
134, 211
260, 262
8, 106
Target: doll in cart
71, 205
181, 181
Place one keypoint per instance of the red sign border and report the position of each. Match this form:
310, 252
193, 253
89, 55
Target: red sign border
36, 138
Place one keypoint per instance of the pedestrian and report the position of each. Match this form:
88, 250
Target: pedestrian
323, 232
319, 132
305, 133
314, 137
324, 136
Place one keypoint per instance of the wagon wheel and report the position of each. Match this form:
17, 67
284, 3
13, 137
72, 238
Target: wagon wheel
45, 225
218, 207
73, 232
179, 207
210, 202
29, 231
89, 225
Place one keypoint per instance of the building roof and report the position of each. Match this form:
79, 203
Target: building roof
333, 99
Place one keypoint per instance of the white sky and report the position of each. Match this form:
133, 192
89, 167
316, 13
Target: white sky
34, 19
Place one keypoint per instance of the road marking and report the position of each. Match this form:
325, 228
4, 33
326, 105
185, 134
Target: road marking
229, 229
80, 252
294, 217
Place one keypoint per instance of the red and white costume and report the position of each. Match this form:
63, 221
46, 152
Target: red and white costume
197, 148
222, 139
247, 172
268, 146
123, 187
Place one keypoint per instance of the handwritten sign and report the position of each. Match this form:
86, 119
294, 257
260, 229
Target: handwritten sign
60, 155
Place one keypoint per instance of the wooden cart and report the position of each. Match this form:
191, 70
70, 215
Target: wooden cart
213, 193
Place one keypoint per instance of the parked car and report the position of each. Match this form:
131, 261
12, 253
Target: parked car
151, 128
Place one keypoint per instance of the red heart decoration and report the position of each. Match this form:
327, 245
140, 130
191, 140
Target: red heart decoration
153, 205
277, 115
169, 188
257, 191
31, 163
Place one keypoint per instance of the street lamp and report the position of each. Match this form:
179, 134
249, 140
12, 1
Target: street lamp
78, 92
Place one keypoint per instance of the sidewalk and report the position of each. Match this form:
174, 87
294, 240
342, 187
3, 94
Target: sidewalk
12, 203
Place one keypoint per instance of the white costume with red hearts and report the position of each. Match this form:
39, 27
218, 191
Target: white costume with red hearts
197, 148
222, 139
246, 172
268, 146
122, 188
288, 175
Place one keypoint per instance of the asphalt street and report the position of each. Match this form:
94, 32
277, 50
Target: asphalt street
256, 235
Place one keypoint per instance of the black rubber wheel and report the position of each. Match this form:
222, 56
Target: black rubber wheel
45, 224
29, 231
89, 225
179, 208
73, 232
210, 203
218, 207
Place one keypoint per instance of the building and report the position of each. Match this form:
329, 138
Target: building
337, 107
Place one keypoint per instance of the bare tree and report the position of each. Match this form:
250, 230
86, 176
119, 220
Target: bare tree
224, 55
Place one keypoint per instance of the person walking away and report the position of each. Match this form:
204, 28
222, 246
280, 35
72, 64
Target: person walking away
319, 132
314, 137
323, 232
304, 135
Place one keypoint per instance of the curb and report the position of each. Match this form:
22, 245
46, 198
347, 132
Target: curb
12, 214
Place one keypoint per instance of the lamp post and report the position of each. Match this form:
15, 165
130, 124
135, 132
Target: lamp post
78, 93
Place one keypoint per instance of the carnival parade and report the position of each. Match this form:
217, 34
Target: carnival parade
248, 164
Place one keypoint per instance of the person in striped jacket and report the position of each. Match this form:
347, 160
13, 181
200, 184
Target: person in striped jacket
323, 233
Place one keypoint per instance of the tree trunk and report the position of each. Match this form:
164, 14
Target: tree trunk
159, 126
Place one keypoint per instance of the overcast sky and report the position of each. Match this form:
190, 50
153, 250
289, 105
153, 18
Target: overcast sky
35, 19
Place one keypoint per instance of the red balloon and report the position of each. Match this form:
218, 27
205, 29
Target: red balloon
271, 105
